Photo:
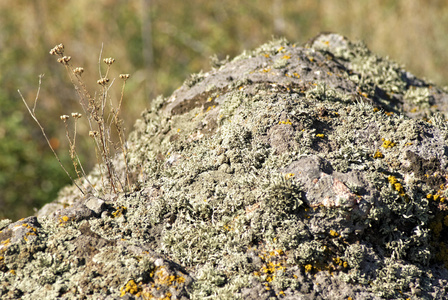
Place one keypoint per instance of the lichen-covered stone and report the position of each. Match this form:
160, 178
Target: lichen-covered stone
315, 172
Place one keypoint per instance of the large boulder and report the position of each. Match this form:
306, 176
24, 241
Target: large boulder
289, 172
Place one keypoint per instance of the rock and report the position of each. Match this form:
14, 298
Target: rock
289, 172
95, 204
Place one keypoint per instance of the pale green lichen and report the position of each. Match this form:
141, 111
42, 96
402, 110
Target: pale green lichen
219, 197
418, 96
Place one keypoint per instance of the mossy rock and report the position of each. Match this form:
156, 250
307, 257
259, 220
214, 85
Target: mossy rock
289, 172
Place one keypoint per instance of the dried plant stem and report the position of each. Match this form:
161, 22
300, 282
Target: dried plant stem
99, 123
72, 148
122, 135
33, 115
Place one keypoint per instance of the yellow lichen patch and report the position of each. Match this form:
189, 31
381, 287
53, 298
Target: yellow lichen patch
378, 154
274, 261
286, 56
132, 288
227, 227
289, 175
276, 252
164, 278
287, 122
365, 95
439, 195
334, 233
387, 144
167, 296
340, 262
120, 211
320, 135
396, 185
308, 268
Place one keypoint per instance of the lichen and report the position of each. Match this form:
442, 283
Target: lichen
286, 172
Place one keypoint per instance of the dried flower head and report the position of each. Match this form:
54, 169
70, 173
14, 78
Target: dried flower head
93, 133
64, 60
76, 115
109, 60
103, 81
78, 70
57, 50
64, 117
124, 76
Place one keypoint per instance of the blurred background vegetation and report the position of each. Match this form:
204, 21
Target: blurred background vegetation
160, 43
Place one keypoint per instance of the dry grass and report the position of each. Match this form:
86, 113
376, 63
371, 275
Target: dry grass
102, 116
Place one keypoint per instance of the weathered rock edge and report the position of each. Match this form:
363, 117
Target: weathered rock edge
315, 172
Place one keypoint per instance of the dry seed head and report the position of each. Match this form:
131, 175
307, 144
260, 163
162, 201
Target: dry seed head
109, 60
57, 50
103, 81
64, 60
76, 115
64, 117
78, 71
124, 76
93, 133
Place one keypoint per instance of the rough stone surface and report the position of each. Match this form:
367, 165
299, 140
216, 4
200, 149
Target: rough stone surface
314, 172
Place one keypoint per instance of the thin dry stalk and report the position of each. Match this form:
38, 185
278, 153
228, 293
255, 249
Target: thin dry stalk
121, 134
33, 115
